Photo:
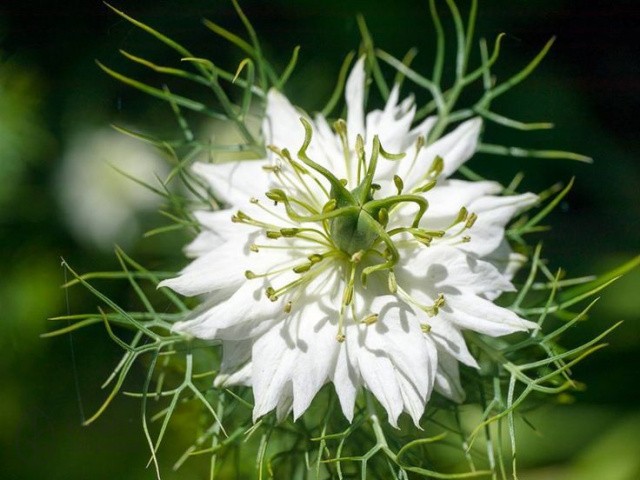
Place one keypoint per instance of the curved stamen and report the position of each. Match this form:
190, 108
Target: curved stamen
336, 185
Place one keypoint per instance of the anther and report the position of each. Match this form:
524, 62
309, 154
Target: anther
340, 338
249, 275
424, 240
392, 283
315, 258
271, 294
436, 167
471, 220
426, 187
253, 200
435, 308
370, 319
356, 257
275, 150
276, 195
254, 248
360, 148
287, 307
348, 294
391, 156
273, 234
425, 327
329, 206
302, 268
398, 183
463, 214
240, 217
289, 232
383, 217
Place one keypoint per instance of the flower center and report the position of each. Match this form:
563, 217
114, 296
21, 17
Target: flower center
346, 225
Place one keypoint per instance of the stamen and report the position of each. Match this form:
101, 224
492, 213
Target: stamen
426, 187
425, 327
289, 232
432, 175
370, 319
463, 214
340, 126
356, 257
305, 267
360, 154
398, 183
471, 220
383, 217
308, 276
315, 257
433, 310
347, 298
391, 282
419, 145
391, 156
300, 170
436, 167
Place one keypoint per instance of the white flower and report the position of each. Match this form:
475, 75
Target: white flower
101, 204
359, 268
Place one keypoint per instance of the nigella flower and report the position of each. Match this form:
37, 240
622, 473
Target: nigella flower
349, 257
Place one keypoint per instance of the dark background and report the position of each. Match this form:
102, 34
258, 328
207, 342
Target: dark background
589, 86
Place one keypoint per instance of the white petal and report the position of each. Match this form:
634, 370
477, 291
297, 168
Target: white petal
448, 337
480, 315
247, 306
445, 202
448, 377
394, 359
380, 378
438, 269
235, 182
414, 401
217, 228
241, 376
449, 196
313, 328
493, 213
235, 368
282, 126
223, 267
455, 148
391, 125
274, 357
354, 95
346, 380
507, 262
325, 148
284, 406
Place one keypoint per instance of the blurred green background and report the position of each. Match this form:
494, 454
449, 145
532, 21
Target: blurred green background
58, 200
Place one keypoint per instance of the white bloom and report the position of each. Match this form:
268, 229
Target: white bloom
101, 204
350, 283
